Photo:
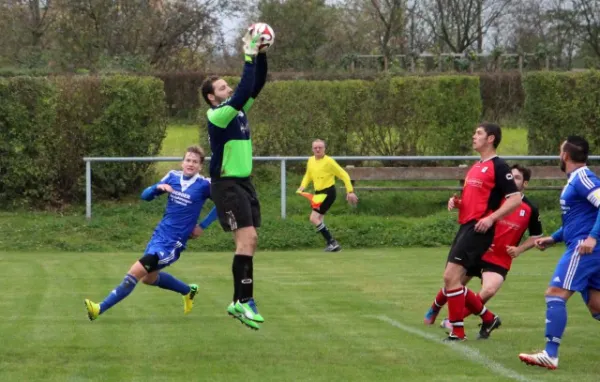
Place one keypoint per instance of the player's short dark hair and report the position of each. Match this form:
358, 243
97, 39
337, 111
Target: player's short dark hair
195, 150
494, 130
578, 148
208, 88
523, 170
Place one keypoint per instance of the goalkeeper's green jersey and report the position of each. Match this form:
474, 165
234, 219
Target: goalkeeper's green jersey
228, 128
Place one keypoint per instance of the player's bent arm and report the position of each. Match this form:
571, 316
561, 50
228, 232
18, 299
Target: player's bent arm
151, 192
528, 244
512, 202
209, 219
557, 236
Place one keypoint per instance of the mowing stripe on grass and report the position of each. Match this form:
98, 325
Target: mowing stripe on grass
469, 353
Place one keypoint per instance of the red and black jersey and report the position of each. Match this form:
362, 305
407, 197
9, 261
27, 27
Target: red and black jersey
510, 230
486, 184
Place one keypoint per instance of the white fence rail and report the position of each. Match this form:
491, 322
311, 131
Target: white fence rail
283, 161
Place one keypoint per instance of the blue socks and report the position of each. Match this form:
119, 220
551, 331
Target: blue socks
166, 281
556, 321
119, 293
596, 316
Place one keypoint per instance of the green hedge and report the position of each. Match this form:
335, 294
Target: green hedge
27, 145
560, 104
48, 125
502, 95
397, 116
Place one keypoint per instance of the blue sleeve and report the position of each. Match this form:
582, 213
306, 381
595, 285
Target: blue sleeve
245, 88
587, 185
595, 232
558, 235
152, 192
261, 74
209, 219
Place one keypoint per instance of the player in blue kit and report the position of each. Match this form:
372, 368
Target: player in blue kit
578, 270
188, 191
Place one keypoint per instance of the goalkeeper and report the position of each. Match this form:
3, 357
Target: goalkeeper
322, 171
232, 190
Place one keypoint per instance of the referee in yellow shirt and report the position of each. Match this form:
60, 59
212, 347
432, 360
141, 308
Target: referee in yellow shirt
322, 171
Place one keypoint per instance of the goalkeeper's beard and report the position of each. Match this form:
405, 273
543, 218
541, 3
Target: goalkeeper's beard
220, 100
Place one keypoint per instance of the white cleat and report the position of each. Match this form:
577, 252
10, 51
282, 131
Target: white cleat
446, 325
541, 359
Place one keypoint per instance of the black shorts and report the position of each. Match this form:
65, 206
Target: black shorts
236, 202
328, 202
469, 246
484, 266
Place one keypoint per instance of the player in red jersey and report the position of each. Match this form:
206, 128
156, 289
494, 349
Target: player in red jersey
487, 183
497, 260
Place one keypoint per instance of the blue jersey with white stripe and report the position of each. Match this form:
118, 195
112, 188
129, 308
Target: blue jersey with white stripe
182, 211
579, 202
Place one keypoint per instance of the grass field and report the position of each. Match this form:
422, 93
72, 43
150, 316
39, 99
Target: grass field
350, 316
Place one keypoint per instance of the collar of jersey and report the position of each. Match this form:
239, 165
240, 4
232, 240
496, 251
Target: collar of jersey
574, 173
224, 102
487, 159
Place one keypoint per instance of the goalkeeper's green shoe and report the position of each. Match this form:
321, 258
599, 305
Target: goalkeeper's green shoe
232, 311
188, 299
248, 309
93, 309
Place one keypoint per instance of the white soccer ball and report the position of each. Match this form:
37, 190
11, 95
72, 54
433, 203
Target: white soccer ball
267, 36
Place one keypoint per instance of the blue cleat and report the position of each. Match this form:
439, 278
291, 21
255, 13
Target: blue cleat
430, 316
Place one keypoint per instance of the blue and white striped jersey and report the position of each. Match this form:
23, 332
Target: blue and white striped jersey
579, 202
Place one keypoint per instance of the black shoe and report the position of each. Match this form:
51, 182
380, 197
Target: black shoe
333, 246
486, 329
453, 337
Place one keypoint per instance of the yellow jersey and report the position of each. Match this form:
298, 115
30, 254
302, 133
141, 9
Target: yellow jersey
322, 172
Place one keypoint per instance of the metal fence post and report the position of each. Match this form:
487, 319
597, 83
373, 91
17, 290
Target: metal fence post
88, 189
283, 189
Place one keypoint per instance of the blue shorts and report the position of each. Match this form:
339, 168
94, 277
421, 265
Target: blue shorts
167, 254
577, 272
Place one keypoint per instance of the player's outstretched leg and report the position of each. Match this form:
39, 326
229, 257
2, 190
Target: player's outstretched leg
169, 282
119, 293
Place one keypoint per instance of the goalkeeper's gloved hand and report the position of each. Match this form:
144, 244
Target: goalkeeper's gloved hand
250, 44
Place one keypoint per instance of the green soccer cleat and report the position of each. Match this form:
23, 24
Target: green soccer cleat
249, 310
93, 309
232, 311
188, 299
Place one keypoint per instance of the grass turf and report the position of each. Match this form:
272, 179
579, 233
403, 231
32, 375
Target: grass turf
350, 316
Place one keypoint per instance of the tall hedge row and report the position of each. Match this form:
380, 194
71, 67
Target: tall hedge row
397, 116
560, 104
48, 125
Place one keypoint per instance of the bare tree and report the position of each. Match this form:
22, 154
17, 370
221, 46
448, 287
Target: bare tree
390, 16
459, 24
588, 12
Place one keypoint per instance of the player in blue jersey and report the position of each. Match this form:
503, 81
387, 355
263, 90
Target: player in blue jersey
235, 197
578, 270
188, 191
